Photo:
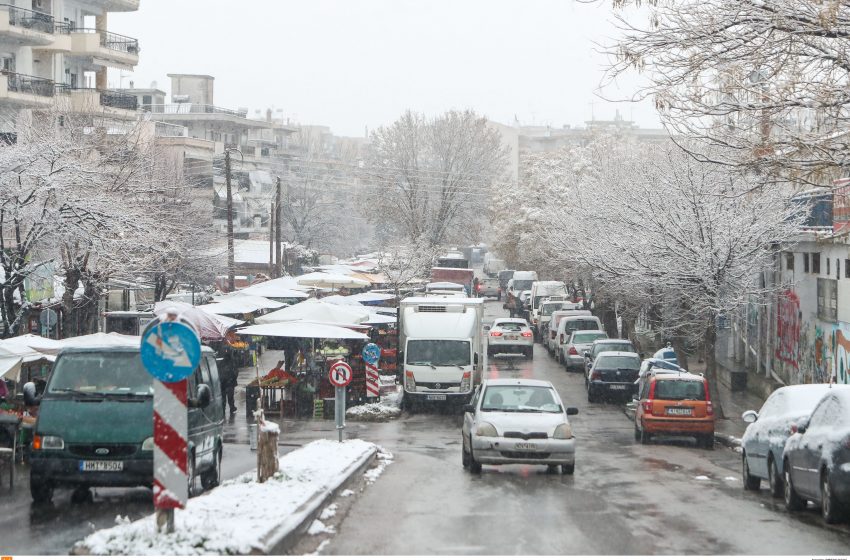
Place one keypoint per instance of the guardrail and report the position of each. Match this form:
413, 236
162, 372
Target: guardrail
29, 19
190, 109
23, 83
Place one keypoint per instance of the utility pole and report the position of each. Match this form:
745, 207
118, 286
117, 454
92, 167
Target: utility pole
231, 265
272, 264
277, 234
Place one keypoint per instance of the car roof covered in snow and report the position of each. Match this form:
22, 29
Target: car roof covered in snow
612, 353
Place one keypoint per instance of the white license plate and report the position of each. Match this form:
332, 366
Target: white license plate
436, 397
618, 387
510, 337
107, 466
680, 411
525, 445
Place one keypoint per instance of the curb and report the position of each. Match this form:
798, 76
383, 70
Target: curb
287, 535
729, 441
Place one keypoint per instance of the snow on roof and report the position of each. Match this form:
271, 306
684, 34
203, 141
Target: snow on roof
241, 515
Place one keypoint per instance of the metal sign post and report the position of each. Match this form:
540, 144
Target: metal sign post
170, 351
340, 375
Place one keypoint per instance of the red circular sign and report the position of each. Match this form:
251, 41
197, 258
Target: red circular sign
340, 374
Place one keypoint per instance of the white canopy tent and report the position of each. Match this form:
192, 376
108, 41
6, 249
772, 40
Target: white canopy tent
208, 326
302, 329
96, 340
366, 297
283, 288
378, 319
332, 281
240, 305
341, 300
316, 311
10, 365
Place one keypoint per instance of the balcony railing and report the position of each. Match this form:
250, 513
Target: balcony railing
112, 41
29, 19
168, 130
191, 108
21, 83
108, 97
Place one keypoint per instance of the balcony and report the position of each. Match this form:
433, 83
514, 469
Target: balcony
192, 109
192, 114
25, 91
105, 48
24, 27
107, 102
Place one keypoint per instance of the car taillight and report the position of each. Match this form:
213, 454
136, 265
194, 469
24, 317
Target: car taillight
572, 351
647, 406
709, 408
595, 375
36, 442
526, 334
408, 373
495, 333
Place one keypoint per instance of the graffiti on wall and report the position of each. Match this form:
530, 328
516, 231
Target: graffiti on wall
788, 329
841, 344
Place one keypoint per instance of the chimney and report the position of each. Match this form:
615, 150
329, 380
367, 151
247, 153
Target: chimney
268, 115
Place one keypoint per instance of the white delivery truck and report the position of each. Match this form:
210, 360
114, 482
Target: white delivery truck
440, 345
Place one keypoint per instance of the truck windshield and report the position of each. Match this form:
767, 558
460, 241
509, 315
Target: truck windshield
438, 352
522, 285
100, 373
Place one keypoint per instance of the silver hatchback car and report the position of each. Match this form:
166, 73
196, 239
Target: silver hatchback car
517, 421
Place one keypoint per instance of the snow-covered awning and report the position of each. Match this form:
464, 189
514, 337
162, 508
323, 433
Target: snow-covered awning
302, 329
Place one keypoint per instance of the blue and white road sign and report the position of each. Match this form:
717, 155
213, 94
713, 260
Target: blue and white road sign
371, 353
170, 351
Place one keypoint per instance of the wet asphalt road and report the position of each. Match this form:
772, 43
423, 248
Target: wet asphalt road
624, 498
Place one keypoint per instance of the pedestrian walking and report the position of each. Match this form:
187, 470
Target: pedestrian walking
228, 374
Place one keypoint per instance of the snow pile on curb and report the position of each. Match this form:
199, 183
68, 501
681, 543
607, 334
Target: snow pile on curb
237, 517
386, 409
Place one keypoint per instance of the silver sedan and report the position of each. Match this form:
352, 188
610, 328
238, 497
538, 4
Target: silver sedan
517, 421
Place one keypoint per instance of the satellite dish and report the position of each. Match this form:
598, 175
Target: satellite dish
48, 318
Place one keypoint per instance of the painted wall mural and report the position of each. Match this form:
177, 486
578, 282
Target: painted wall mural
841, 344
788, 329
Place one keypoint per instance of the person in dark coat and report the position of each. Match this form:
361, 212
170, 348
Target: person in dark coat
228, 374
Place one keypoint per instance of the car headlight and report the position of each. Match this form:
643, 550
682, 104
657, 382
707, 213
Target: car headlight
409, 381
486, 429
147, 445
52, 442
563, 431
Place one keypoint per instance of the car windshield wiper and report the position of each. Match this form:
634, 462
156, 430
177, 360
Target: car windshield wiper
423, 364
130, 394
528, 409
449, 365
78, 393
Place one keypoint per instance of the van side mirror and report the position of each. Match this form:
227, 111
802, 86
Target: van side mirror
587, 355
30, 398
204, 397
750, 416
572, 411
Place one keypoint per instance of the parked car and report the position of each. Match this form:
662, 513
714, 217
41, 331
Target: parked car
551, 341
769, 429
667, 354
541, 315
517, 421
652, 365
489, 287
613, 374
566, 327
816, 459
675, 403
579, 342
510, 336
605, 345
95, 422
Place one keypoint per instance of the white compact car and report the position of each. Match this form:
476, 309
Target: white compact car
510, 336
517, 421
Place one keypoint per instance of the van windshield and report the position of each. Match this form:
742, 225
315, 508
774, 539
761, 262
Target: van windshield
100, 373
522, 285
438, 352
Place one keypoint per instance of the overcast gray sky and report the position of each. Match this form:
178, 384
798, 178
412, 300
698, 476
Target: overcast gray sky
350, 64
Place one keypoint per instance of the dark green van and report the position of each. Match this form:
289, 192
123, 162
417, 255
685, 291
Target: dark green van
95, 422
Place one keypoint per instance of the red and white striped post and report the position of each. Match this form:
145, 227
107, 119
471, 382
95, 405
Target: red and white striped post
171, 448
373, 386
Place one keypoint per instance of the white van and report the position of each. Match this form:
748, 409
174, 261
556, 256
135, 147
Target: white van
551, 339
521, 281
567, 325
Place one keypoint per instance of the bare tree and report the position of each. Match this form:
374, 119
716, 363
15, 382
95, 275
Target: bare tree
765, 79
430, 178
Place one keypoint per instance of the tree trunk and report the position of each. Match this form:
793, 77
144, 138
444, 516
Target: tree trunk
69, 312
267, 459
681, 350
711, 367
605, 311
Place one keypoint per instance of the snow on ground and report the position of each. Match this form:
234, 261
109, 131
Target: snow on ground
701, 477
347, 492
387, 379
387, 408
328, 512
384, 459
235, 517
318, 527
321, 547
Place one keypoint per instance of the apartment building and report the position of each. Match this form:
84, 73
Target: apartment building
56, 53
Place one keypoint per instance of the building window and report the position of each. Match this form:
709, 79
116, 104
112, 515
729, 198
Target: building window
815, 263
789, 262
838, 269
827, 267
805, 262
846, 268
827, 299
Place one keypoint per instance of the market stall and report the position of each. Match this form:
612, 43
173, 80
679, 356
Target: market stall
294, 393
